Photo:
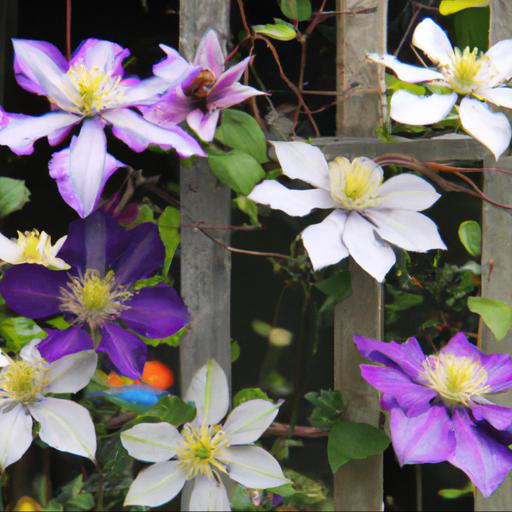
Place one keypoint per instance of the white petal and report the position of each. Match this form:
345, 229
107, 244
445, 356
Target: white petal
151, 442
406, 72
208, 494
500, 96
209, 391
296, 203
247, 422
324, 242
408, 108
492, 129
501, 63
30, 353
3, 360
15, 435
409, 230
145, 92
408, 192
433, 41
72, 373
253, 467
65, 426
373, 255
156, 485
10, 251
303, 162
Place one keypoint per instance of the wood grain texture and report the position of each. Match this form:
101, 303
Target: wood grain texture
205, 266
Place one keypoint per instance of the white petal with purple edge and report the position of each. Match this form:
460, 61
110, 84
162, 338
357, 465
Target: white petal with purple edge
303, 162
209, 53
323, 241
433, 41
174, 68
408, 108
208, 494
501, 64
296, 203
407, 192
490, 128
151, 442
232, 95
406, 72
10, 251
104, 55
371, 254
204, 123
72, 373
229, 77
15, 435
145, 92
500, 96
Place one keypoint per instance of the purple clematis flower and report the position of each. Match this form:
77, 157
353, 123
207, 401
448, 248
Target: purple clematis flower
207, 88
89, 89
440, 406
97, 295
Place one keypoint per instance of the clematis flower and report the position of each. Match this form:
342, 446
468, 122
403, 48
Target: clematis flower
97, 295
441, 405
24, 386
207, 89
89, 90
32, 247
205, 452
474, 78
368, 215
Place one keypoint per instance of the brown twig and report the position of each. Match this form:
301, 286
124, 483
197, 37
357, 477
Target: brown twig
68, 29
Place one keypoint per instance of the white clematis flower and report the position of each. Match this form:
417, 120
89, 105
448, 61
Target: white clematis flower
24, 384
33, 247
204, 452
475, 77
368, 215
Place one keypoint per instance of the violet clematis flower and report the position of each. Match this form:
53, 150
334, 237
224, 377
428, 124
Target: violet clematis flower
89, 90
441, 408
97, 295
207, 89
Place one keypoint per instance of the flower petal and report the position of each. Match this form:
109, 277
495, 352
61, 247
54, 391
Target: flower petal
485, 460
209, 53
408, 108
72, 373
138, 133
253, 467
33, 290
498, 416
296, 203
459, 346
247, 422
407, 192
10, 251
127, 352
172, 108
156, 312
174, 69
374, 256
406, 72
323, 241
22, 131
492, 129
144, 92
204, 123
433, 41
303, 162
407, 229
501, 65
499, 371
232, 95
208, 494
15, 435
156, 484
106, 56
151, 442
209, 391
500, 96
422, 439
65, 426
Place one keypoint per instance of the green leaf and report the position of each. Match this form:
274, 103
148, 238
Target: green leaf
453, 494
170, 409
249, 207
146, 214
14, 195
236, 169
279, 31
261, 328
168, 227
337, 288
470, 235
299, 10
58, 322
149, 282
239, 130
328, 405
171, 341
447, 7
17, 331
84, 501
394, 84
246, 394
472, 29
497, 315
349, 441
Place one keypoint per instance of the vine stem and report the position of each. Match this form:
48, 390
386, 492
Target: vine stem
68, 29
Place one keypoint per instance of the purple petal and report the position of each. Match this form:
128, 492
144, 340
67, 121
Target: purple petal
156, 312
33, 290
174, 69
209, 53
172, 109
127, 352
23, 73
139, 134
58, 136
105, 55
22, 131
422, 439
412, 398
229, 77
459, 346
485, 460
144, 92
204, 123
500, 417
232, 96
407, 356
143, 254
62, 343
499, 371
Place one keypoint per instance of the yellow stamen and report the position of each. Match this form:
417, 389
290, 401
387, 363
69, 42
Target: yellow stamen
469, 70
37, 248
23, 381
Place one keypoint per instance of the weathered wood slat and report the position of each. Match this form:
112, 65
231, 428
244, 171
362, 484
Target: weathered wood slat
205, 266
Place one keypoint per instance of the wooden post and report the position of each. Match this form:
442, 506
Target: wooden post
205, 266
359, 484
